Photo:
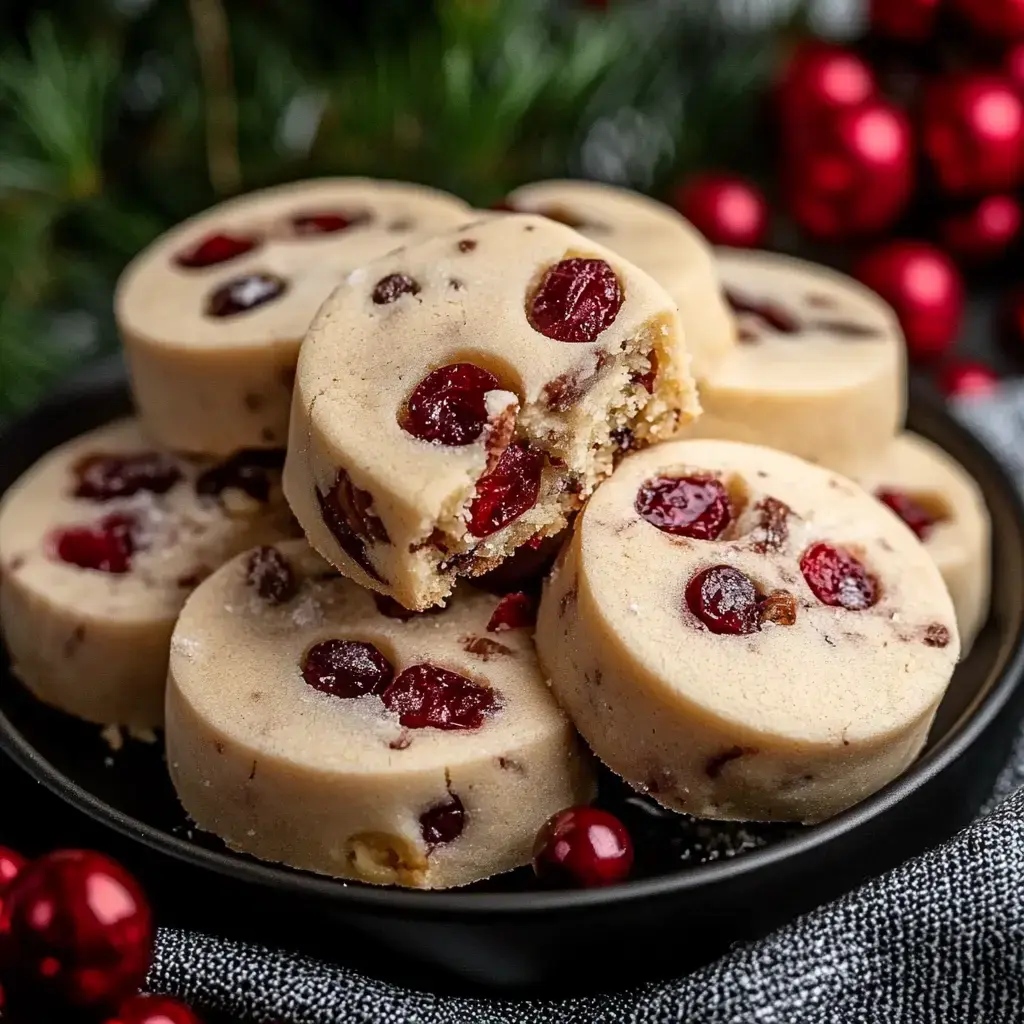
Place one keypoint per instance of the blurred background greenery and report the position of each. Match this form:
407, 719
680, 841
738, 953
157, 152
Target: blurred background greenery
120, 117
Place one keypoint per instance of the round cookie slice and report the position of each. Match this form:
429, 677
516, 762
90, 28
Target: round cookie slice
100, 543
212, 313
819, 367
460, 398
746, 636
655, 238
939, 500
313, 723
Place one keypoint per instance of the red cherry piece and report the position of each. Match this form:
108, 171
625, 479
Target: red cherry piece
972, 132
837, 578
243, 294
427, 697
251, 471
968, 380
394, 286
443, 823
449, 405
509, 490
80, 933
925, 289
697, 507
513, 611
582, 848
577, 299
105, 477
983, 230
154, 1010
217, 248
270, 574
106, 546
328, 222
912, 512
347, 668
726, 209
725, 600
907, 21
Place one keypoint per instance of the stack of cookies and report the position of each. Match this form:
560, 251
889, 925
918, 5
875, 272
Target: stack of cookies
369, 421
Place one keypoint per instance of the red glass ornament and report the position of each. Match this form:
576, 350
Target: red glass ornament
855, 177
1001, 19
972, 132
818, 81
80, 933
925, 289
968, 379
908, 21
725, 209
154, 1010
982, 231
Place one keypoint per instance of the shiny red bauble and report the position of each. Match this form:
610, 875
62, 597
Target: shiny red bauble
1000, 19
725, 209
583, 848
924, 287
818, 81
982, 231
855, 176
968, 379
972, 134
907, 21
154, 1010
80, 934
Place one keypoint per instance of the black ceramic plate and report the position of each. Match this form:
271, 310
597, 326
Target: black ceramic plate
700, 886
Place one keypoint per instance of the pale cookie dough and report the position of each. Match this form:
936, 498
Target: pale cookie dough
212, 384
348, 777
655, 238
440, 422
819, 367
100, 543
940, 501
705, 668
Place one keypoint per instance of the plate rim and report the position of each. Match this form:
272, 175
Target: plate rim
445, 903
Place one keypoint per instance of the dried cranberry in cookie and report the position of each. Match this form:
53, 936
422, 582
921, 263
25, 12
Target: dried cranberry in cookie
101, 542
936, 497
465, 423
325, 733
212, 313
782, 667
656, 239
819, 367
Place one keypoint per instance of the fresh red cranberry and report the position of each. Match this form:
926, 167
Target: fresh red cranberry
448, 406
11, 865
427, 697
106, 546
513, 611
912, 512
582, 848
725, 600
347, 668
217, 248
697, 507
244, 293
105, 477
80, 934
777, 318
154, 1010
328, 222
394, 286
443, 823
251, 471
509, 490
270, 574
837, 578
577, 299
